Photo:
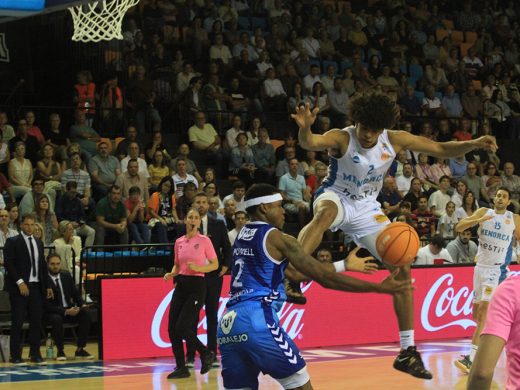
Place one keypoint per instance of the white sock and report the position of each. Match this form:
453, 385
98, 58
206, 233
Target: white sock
407, 338
473, 352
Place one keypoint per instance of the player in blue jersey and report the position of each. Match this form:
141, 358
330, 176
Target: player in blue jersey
250, 337
497, 229
360, 156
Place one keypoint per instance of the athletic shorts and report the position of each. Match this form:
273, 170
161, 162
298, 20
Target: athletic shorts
251, 341
357, 219
486, 279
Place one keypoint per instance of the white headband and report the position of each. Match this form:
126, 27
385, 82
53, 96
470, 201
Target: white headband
263, 199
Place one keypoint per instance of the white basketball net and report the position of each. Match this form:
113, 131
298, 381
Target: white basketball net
99, 21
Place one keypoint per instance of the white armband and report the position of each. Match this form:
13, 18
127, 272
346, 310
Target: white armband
339, 266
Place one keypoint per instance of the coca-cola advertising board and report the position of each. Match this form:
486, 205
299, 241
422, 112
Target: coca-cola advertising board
135, 313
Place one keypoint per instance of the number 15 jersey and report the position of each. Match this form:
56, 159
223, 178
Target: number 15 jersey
255, 274
495, 238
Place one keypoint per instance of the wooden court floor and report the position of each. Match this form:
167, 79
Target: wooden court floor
359, 367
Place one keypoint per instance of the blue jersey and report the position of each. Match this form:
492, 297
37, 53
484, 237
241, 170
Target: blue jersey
255, 275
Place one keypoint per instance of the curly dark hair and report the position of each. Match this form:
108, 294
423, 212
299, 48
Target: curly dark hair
375, 111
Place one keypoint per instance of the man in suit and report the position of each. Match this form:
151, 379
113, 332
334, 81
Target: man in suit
66, 306
217, 232
27, 286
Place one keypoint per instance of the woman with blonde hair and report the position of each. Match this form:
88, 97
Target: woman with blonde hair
68, 247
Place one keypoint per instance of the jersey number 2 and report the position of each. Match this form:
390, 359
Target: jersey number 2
236, 281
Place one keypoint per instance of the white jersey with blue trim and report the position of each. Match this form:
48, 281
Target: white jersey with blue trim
358, 175
255, 275
495, 238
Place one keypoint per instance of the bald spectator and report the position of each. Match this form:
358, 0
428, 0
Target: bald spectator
512, 183
324, 255
183, 152
134, 153
104, 170
404, 181
230, 207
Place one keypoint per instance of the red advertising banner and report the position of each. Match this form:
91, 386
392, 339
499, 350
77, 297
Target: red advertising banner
135, 313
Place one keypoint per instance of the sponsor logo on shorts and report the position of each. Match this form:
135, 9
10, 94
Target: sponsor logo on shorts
227, 321
235, 339
380, 218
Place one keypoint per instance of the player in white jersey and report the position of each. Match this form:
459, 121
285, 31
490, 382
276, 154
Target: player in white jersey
498, 227
360, 156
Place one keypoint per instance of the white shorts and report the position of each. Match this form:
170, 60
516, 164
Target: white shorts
486, 279
357, 219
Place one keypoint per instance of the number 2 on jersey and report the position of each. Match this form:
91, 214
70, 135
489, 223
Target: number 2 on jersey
236, 281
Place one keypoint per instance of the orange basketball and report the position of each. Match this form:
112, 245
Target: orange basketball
398, 244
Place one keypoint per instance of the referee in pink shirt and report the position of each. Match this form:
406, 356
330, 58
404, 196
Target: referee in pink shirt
194, 256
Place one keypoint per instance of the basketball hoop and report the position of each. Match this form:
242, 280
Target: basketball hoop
99, 21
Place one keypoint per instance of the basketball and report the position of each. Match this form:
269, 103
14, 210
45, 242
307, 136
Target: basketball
398, 244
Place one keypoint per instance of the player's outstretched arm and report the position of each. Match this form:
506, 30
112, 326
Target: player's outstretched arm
280, 245
305, 118
477, 217
404, 140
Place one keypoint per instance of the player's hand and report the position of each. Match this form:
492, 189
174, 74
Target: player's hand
360, 264
487, 142
168, 276
304, 117
391, 286
223, 270
24, 290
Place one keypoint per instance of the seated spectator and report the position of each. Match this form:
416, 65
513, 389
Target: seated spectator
5, 233
312, 78
65, 306
437, 201
458, 167
423, 219
254, 131
389, 197
248, 73
505, 122
68, 247
445, 133
472, 63
318, 97
14, 216
347, 83
111, 105
157, 169
83, 134
297, 97
481, 157
275, 96
238, 195
433, 252
32, 129
29, 200
295, 193
241, 220
447, 221
156, 144
215, 99
204, 137
414, 193
396, 169
243, 163
230, 208
327, 80
111, 219
7, 129
162, 214
404, 181
439, 169
5, 153
491, 180
231, 133
183, 152
451, 102
468, 207
211, 191
387, 82
462, 249
140, 97
290, 140
405, 210
337, 102
49, 170
192, 97
215, 208
431, 104
424, 172
122, 147
324, 255
132, 178
185, 201
138, 229
472, 103
209, 176
133, 153
32, 146
410, 104
434, 75
81, 177
46, 217
219, 51
282, 167
104, 170
512, 183
181, 178
474, 183
70, 208
182, 81
20, 171
460, 190
464, 134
